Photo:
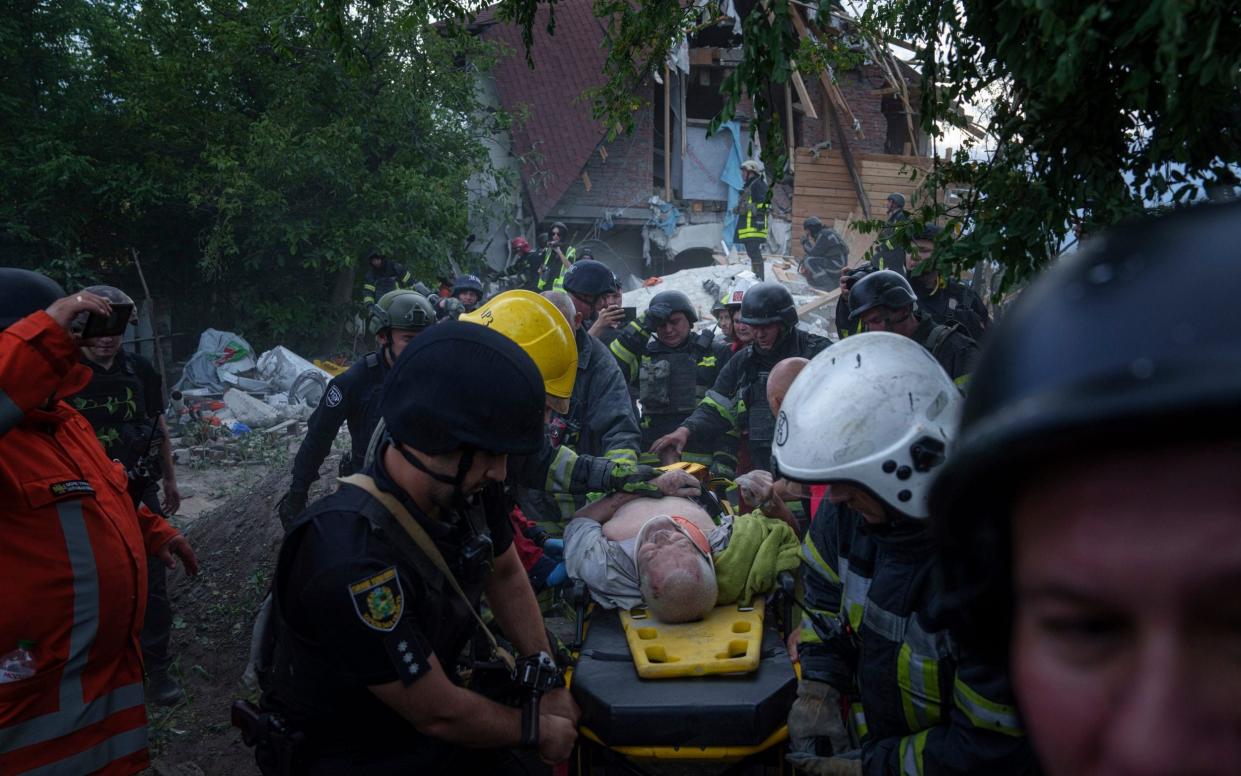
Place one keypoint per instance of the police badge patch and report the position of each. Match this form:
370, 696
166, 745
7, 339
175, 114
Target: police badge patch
333, 396
378, 600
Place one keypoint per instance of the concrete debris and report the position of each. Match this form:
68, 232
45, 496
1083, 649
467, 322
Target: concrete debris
817, 308
249, 410
281, 367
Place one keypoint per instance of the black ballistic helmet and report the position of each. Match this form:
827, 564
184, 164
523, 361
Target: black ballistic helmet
884, 288
665, 303
768, 303
1079, 366
23, 292
590, 278
462, 385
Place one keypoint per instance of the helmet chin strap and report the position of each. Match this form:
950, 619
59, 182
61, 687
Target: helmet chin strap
463, 468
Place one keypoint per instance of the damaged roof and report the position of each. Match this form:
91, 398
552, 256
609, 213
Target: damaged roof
558, 134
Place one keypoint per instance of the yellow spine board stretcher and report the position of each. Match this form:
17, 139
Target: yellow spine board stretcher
727, 641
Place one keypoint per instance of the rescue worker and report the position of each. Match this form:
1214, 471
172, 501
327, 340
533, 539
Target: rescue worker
826, 254
872, 419
74, 555
889, 251
354, 396
382, 276
600, 421
594, 291
526, 262
740, 334
844, 325
884, 301
543, 331
671, 368
558, 256
469, 291
610, 315
369, 630
465, 296
945, 299
739, 396
124, 402
752, 214
1088, 513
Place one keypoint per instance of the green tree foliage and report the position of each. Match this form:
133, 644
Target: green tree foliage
1094, 109
251, 153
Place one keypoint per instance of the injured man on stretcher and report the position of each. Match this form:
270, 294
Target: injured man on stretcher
669, 555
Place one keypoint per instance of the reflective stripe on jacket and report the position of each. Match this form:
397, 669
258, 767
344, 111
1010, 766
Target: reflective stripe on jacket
879, 637
552, 273
752, 220
74, 558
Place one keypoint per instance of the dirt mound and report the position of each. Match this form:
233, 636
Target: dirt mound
213, 614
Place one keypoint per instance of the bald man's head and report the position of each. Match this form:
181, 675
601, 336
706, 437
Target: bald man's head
565, 305
781, 378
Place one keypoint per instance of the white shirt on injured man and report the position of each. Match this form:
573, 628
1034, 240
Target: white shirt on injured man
603, 555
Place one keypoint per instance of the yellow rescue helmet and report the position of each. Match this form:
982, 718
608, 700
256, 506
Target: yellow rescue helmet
542, 331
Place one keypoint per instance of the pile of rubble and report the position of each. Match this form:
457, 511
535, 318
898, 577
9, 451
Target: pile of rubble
225, 393
705, 285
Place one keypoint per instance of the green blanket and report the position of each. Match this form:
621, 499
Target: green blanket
760, 548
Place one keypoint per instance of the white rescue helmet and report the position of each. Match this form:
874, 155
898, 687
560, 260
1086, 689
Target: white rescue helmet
736, 294
753, 165
874, 410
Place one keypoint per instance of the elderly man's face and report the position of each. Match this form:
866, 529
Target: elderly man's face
1127, 635
666, 550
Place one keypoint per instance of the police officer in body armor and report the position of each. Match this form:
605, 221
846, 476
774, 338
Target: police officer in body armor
826, 254
884, 301
739, 396
354, 396
377, 586
671, 368
943, 298
124, 403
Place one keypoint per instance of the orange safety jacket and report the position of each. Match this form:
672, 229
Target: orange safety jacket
73, 553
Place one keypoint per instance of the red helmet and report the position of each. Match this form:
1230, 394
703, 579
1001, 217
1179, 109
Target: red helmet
520, 245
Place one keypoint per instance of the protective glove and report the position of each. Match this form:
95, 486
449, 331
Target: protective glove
816, 727
454, 307
291, 505
627, 478
657, 314
554, 549
826, 766
755, 487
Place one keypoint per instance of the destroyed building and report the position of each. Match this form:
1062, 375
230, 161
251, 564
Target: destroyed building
656, 200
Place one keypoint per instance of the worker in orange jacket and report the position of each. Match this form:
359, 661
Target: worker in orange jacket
73, 553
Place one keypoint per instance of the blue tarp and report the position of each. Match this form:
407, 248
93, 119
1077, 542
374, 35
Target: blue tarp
731, 176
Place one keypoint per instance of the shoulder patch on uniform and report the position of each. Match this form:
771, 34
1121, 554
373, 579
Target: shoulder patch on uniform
379, 600
70, 487
333, 396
